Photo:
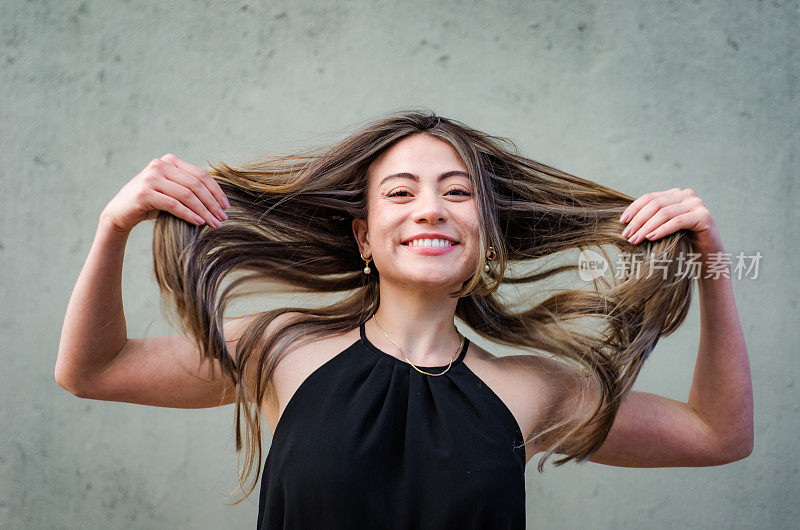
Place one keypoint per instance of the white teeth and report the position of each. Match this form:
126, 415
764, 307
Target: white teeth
430, 243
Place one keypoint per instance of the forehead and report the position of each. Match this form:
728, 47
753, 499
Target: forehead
420, 154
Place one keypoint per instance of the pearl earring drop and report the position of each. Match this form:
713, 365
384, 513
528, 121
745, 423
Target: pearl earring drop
490, 255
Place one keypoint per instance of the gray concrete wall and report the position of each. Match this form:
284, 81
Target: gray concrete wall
639, 96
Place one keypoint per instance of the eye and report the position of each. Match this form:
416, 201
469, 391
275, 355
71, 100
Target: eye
462, 192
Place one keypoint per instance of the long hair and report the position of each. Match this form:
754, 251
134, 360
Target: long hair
290, 224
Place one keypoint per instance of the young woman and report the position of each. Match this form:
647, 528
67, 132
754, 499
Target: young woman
383, 414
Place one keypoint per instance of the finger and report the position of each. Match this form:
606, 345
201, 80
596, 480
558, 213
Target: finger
637, 205
647, 211
673, 225
660, 217
634, 207
197, 188
188, 198
204, 176
172, 205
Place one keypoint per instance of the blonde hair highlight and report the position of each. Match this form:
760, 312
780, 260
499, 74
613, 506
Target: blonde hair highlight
290, 224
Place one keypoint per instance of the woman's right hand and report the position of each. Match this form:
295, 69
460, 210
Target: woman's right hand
170, 184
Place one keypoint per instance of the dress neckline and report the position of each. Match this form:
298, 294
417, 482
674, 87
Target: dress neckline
458, 360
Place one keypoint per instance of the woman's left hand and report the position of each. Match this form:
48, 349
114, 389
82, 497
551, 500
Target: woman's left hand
660, 213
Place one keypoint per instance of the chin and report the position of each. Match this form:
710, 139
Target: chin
448, 283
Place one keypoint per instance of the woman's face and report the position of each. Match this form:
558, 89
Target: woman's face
420, 186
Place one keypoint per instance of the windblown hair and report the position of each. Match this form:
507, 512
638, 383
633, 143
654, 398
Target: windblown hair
290, 224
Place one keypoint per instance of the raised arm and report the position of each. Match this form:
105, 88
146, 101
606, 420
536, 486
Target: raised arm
95, 357
715, 425
94, 328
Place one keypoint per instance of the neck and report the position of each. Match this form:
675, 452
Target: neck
421, 323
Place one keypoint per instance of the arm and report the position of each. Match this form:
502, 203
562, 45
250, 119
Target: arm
721, 393
715, 425
96, 359
94, 328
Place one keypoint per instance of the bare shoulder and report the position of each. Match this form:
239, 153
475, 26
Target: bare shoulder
537, 371
298, 361
537, 389
526, 383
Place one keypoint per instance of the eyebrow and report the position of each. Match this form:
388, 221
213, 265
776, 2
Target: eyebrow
415, 178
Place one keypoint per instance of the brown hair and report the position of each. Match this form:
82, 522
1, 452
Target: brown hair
290, 224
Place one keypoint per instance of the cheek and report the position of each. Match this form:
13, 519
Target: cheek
474, 238
384, 231
472, 225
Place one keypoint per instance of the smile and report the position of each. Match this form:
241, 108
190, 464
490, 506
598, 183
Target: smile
431, 243
431, 247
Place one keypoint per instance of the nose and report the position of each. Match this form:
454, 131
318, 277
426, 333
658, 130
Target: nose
430, 208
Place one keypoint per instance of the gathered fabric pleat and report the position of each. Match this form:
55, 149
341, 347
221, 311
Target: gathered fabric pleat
366, 441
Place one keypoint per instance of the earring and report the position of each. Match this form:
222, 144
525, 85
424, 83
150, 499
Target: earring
490, 255
367, 270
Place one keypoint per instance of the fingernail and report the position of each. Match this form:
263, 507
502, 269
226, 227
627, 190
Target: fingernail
626, 231
227, 202
623, 217
222, 214
648, 236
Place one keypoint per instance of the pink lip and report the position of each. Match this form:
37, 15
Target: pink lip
430, 251
429, 235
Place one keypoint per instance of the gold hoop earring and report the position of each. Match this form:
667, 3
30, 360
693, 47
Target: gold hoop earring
367, 270
490, 256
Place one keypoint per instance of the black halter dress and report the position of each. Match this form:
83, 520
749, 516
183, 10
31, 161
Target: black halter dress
368, 442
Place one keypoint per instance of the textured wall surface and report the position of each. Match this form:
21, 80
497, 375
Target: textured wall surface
640, 96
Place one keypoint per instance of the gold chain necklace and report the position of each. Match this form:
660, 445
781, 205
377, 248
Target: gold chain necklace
412, 364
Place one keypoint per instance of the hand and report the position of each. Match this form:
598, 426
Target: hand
168, 183
657, 214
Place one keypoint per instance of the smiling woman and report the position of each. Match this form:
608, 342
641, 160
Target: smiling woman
417, 184
379, 406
